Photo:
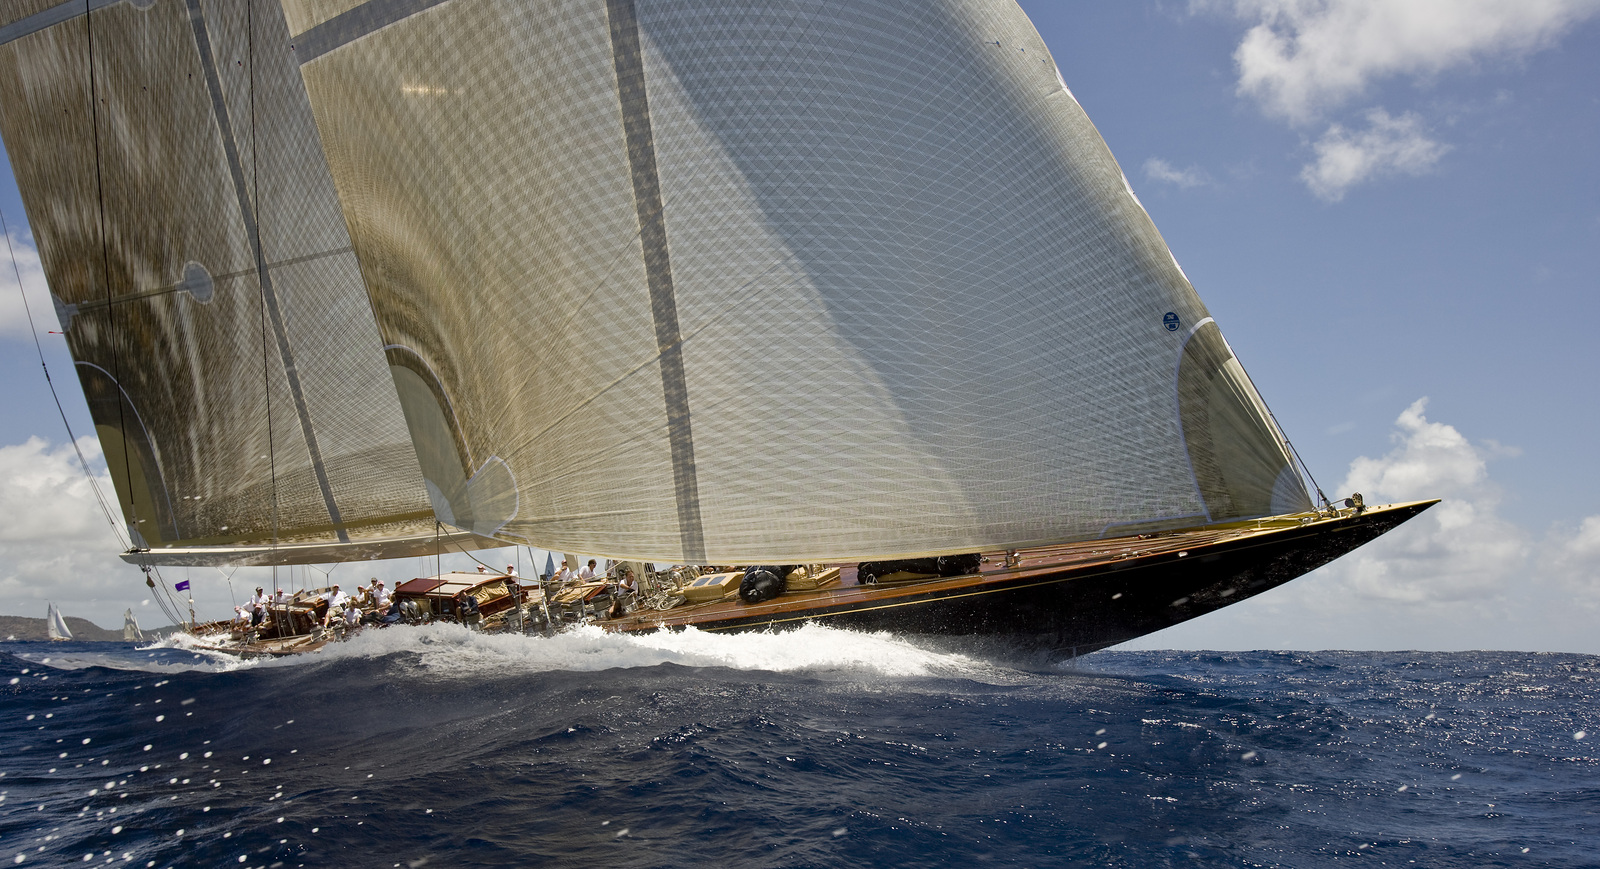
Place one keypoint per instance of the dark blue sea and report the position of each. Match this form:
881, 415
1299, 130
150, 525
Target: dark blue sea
818, 747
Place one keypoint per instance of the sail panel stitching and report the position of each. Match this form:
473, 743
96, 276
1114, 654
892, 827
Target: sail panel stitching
219, 109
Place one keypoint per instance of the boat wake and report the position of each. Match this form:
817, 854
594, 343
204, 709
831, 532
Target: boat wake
450, 651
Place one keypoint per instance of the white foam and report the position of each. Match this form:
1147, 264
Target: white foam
450, 650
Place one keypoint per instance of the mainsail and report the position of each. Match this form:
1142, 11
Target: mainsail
728, 282
205, 283
55, 627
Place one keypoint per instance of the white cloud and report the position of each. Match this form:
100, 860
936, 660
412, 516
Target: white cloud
1157, 169
1305, 60
1388, 146
1459, 576
13, 316
55, 543
56, 546
1459, 549
1304, 57
1572, 561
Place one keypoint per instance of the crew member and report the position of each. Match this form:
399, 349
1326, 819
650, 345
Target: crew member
258, 607
336, 600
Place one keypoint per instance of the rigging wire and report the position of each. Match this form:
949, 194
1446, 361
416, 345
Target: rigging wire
124, 542
1281, 433
162, 594
261, 271
131, 514
83, 462
105, 263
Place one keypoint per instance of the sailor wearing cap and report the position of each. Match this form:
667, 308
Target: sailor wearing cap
258, 606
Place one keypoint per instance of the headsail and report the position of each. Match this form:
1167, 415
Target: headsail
723, 282
205, 283
55, 627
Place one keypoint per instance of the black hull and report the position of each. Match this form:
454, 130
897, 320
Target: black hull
1081, 607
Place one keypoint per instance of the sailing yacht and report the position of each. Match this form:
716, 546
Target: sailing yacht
698, 283
55, 627
130, 627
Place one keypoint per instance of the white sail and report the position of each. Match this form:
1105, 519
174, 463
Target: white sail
130, 627
205, 284
716, 281
55, 627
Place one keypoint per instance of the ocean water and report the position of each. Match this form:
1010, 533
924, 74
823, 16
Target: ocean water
816, 747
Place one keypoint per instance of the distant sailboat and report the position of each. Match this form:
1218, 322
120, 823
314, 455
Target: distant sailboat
130, 627
55, 627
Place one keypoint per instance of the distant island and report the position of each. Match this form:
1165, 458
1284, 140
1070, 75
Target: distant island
83, 630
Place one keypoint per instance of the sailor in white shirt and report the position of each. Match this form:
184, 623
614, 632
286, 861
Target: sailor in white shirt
564, 575
258, 606
587, 573
380, 595
336, 600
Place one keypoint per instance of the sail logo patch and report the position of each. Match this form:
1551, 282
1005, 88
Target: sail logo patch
1170, 320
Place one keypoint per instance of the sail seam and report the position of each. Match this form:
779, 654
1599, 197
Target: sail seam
48, 18
269, 296
352, 24
628, 58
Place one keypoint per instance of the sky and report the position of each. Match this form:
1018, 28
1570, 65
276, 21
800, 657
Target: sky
1389, 206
